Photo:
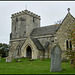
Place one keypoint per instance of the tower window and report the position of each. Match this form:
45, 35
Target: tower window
67, 45
18, 51
15, 27
33, 19
16, 19
70, 45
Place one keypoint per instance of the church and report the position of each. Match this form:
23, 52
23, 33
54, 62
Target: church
28, 39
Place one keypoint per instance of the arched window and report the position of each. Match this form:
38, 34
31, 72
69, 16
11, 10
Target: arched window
33, 19
16, 19
15, 28
67, 46
70, 45
19, 51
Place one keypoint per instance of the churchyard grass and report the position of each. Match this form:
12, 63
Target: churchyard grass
37, 66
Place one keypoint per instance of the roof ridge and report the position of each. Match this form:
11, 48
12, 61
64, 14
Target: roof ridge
48, 30
46, 26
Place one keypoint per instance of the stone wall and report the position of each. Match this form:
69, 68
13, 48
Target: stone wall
31, 23
46, 42
12, 50
13, 47
23, 23
35, 51
63, 32
19, 26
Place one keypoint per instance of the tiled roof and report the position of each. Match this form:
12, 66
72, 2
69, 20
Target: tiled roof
38, 44
47, 30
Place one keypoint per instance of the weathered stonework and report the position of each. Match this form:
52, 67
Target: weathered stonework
35, 52
63, 32
56, 59
26, 32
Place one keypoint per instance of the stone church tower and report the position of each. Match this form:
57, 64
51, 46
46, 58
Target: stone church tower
23, 23
28, 39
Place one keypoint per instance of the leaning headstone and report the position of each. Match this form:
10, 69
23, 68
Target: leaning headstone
8, 59
56, 59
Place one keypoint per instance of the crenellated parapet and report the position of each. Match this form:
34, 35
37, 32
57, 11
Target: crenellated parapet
25, 12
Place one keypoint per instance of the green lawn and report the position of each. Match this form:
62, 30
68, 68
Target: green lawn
32, 67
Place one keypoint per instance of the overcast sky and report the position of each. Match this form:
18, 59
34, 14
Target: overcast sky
49, 11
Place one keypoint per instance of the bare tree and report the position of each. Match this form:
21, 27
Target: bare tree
59, 22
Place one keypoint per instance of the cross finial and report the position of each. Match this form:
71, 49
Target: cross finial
68, 9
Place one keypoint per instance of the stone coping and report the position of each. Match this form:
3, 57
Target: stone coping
16, 39
25, 12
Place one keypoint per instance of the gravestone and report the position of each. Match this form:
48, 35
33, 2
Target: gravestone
56, 59
8, 59
0, 58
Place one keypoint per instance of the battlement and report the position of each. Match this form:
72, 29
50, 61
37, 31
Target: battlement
25, 12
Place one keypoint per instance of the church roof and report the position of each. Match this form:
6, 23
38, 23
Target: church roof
47, 30
38, 44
